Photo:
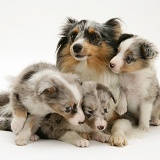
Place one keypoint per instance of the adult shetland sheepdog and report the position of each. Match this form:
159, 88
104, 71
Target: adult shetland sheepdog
86, 48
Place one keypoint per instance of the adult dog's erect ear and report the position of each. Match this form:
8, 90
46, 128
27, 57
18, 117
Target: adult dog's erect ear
148, 50
115, 26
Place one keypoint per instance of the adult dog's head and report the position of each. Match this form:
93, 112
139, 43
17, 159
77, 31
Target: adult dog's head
87, 41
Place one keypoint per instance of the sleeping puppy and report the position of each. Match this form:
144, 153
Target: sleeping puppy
38, 90
86, 48
96, 104
135, 65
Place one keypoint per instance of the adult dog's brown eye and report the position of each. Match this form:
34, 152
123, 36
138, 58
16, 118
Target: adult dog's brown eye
68, 109
93, 36
73, 36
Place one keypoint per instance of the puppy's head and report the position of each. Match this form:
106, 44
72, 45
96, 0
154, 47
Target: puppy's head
134, 54
88, 41
95, 104
62, 93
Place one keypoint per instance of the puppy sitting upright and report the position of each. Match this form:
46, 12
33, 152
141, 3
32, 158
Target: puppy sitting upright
96, 104
135, 65
41, 89
86, 48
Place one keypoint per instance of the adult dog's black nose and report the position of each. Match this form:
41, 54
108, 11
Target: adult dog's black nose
77, 48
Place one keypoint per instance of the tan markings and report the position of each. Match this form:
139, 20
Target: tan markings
99, 56
114, 117
91, 30
85, 135
61, 110
135, 65
76, 30
20, 112
68, 62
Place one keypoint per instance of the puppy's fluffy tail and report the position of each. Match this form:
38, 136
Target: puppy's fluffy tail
5, 108
5, 123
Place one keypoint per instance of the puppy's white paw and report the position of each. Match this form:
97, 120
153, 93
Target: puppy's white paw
101, 137
17, 126
82, 143
155, 122
143, 127
34, 137
20, 141
121, 110
118, 140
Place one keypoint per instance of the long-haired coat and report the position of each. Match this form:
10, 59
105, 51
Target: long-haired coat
135, 65
86, 48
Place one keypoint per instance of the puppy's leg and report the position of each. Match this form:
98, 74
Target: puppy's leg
30, 127
19, 113
145, 115
74, 138
100, 136
118, 137
19, 118
156, 113
122, 105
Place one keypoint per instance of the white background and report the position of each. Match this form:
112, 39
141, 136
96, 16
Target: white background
29, 32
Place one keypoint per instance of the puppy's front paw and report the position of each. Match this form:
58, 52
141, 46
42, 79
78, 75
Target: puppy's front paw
143, 127
118, 140
155, 122
121, 110
101, 137
82, 143
20, 141
17, 126
34, 137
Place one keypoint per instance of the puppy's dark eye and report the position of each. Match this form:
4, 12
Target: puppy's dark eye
105, 110
68, 109
89, 114
103, 101
73, 36
129, 59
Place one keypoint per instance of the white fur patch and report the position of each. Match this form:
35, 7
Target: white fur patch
78, 117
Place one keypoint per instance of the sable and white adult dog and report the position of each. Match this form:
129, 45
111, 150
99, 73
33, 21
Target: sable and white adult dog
41, 89
86, 48
135, 65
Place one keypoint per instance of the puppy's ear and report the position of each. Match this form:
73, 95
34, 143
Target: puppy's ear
47, 89
78, 79
124, 37
111, 95
105, 89
148, 50
115, 26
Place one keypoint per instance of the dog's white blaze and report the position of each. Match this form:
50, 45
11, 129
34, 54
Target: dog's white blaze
118, 60
71, 87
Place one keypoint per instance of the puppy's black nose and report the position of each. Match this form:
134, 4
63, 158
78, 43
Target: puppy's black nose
77, 48
100, 127
112, 65
81, 122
